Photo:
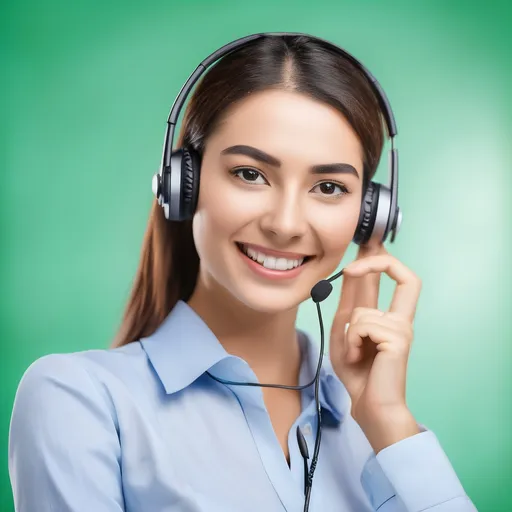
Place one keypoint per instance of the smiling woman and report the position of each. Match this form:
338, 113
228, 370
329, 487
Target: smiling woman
278, 146
272, 180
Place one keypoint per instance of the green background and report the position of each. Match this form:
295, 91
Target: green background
86, 90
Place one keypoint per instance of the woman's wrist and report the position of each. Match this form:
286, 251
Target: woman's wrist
388, 426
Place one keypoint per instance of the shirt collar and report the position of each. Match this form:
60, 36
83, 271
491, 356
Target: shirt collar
183, 348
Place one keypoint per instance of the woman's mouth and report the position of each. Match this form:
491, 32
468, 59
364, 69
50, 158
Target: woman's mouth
273, 260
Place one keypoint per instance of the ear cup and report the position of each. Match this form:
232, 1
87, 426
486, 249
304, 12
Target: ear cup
368, 214
190, 167
180, 185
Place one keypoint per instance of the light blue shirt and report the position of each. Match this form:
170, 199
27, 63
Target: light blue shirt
143, 428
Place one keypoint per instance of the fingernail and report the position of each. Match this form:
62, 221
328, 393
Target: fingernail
346, 327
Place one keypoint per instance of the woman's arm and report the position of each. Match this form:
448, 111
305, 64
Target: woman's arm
369, 351
414, 474
64, 451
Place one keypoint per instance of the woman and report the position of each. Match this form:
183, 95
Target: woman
158, 422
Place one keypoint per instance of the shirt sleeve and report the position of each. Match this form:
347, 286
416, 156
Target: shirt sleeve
64, 451
414, 475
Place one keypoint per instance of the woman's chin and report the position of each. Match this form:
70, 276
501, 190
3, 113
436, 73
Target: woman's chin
273, 296
271, 301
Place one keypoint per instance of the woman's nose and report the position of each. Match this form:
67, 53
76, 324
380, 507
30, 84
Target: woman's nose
285, 219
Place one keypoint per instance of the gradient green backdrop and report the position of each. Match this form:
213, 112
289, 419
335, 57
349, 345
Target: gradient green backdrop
86, 90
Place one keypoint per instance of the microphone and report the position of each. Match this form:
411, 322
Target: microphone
323, 288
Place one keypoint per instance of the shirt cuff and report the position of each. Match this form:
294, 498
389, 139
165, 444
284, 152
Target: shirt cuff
416, 469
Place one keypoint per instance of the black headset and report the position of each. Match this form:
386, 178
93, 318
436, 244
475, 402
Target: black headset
176, 185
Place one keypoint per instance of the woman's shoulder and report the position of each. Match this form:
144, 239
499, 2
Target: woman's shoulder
64, 428
92, 361
98, 374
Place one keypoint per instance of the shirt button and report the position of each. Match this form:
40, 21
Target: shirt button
306, 430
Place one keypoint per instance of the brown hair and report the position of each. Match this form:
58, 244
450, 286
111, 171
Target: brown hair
169, 262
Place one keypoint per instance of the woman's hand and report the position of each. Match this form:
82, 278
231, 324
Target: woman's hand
369, 349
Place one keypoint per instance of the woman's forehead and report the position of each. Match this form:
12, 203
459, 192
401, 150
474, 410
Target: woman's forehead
286, 121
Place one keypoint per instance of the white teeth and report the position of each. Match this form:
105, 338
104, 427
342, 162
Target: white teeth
271, 262
282, 264
251, 252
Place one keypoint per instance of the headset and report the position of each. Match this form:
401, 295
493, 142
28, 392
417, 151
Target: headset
176, 187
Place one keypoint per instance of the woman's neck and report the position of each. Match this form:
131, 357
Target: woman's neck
266, 341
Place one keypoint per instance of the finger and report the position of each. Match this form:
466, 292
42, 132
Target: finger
367, 294
408, 288
356, 291
359, 291
354, 316
375, 249
357, 347
389, 320
361, 312
383, 337
343, 316
348, 296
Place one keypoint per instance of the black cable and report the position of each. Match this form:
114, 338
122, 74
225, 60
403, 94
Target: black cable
318, 293
319, 416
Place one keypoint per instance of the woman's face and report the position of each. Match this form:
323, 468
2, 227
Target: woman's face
279, 199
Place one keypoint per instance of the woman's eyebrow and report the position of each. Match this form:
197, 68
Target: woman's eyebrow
261, 156
340, 168
256, 154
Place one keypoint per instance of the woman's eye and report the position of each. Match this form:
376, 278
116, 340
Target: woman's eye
249, 175
329, 188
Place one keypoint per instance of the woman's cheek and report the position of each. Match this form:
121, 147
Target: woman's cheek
336, 228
